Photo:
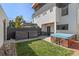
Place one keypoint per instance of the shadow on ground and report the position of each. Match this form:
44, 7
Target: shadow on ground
23, 49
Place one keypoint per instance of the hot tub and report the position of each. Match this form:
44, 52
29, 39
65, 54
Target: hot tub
62, 38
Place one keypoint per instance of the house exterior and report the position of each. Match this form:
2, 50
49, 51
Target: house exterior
3, 26
57, 17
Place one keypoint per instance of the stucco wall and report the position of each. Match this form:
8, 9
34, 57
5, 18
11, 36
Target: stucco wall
47, 18
1, 33
69, 19
2, 17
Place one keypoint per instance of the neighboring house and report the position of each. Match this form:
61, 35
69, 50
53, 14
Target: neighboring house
28, 30
57, 17
29, 25
3, 26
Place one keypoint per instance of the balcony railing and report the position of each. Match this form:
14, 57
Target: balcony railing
39, 11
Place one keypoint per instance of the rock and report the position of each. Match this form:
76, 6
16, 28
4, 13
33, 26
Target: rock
2, 51
8, 49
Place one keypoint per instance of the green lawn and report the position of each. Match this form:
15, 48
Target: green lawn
40, 48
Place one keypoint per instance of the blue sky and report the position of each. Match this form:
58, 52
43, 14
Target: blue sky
17, 9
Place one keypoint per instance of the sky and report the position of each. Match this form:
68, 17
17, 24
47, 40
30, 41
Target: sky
18, 9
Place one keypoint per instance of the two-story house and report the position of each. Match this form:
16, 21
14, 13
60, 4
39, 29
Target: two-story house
3, 26
57, 17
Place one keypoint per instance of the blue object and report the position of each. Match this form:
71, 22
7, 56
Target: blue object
62, 35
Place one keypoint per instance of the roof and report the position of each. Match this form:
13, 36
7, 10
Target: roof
26, 25
24, 29
34, 5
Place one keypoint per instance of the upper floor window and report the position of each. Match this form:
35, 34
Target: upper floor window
64, 10
51, 9
44, 13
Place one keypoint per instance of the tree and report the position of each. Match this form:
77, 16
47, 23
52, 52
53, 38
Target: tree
11, 24
18, 21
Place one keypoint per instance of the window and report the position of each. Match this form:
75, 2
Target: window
51, 9
44, 13
64, 10
62, 27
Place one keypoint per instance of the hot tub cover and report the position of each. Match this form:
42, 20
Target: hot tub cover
62, 35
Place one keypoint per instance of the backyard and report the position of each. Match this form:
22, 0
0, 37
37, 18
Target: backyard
40, 47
